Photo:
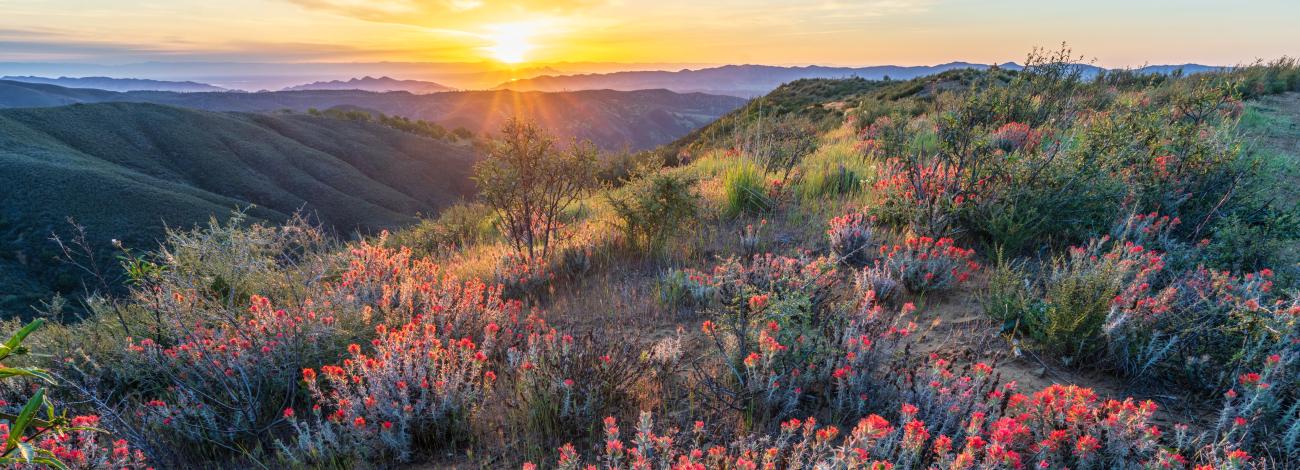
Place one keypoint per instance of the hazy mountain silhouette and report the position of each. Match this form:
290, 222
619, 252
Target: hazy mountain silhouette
755, 80
381, 84
118, 84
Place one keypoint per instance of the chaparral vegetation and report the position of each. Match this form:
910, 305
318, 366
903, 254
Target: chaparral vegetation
977, 269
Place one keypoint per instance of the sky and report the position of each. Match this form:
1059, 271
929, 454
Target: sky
1114, 33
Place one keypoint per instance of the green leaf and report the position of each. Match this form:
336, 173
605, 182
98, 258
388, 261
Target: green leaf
7, 372
19, 426
26, 450
17, 339
51, 462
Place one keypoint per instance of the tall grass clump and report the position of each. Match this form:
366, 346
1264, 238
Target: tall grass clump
745, 190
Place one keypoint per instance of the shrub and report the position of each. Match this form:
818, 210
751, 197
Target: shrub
1065, 307
683, 289
852, 239
417, 389
522, 277
653, 208
751, 239
529, 181
879, 279
925, 264
226, 385
457, 226
787, 141
780, 344
81, 445
561, 385
732, 283
744, 191
36, 437
1014, 136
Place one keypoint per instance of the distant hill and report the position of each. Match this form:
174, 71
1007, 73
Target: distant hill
119, 84
749, 81
611, 119
125, 170
381, 84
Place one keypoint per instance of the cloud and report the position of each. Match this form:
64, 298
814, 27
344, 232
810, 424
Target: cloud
445, 13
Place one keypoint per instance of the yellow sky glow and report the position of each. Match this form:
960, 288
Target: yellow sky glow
832, 32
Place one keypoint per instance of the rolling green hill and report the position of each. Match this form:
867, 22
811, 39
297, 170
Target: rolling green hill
611, 119
127, 170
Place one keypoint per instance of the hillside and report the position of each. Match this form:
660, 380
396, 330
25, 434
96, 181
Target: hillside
380, 85
118, 84
755, 80
611, 119
127, 170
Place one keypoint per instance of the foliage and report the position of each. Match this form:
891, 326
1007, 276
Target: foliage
652, 208
853, 239
924, 264
1056, 427
456, 227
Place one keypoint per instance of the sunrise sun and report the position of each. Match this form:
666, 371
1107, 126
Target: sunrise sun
511, 42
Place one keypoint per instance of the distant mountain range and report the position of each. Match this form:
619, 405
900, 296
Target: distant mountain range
381, 84
748, 81
611, 119
118, 84
127, 170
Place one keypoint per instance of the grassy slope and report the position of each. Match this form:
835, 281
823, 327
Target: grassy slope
1274, 121
125, 170
618, 298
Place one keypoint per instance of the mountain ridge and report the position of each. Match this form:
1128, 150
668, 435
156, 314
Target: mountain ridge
751, 80
118, 84
637, 120
380, 85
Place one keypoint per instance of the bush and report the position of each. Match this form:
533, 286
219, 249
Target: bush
652, 208
36, 437
416, 390
456, 227
787, 141
1065, 306
924, 264
226, 385
853, 239
523, 278
563, 384
744, 190
81, 445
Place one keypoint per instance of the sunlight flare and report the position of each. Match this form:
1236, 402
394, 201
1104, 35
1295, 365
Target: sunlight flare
512, 42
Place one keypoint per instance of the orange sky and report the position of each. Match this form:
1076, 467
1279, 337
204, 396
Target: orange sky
839, 32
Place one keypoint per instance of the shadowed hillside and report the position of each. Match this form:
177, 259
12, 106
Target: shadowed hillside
126, 170
610, 119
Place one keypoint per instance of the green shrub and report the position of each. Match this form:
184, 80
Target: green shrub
652, 208
460, 225
745, 190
